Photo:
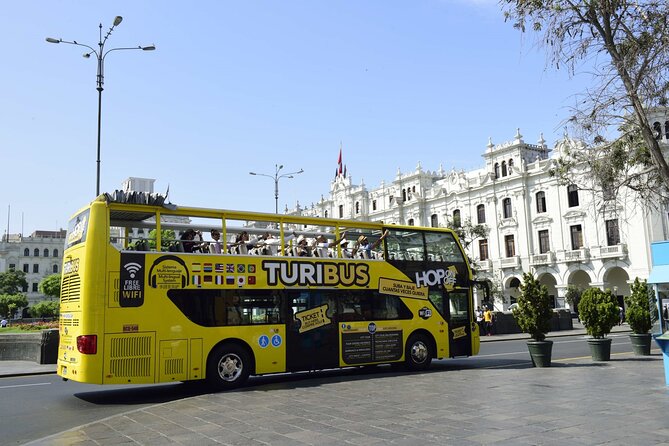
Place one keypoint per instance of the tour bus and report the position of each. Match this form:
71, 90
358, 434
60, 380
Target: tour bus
154, 292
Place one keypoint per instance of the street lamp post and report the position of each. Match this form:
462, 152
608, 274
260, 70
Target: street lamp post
100, 54
276, 177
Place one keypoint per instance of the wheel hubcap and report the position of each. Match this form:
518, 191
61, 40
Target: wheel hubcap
230, 367
419, 352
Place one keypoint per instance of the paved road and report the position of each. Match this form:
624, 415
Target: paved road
575, 402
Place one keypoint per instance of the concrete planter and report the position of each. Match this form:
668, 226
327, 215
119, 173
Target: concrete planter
600, 349
640, 343
540, 352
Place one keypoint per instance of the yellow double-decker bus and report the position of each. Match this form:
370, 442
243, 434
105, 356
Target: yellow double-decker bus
154, 292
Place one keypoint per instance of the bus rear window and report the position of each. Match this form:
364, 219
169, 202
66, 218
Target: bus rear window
77, 229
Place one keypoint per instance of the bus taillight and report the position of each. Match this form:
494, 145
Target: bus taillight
87, 344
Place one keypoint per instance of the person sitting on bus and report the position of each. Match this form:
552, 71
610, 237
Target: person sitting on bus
322, 248
240, 246
366, 249
187, 243
302, 247
346, 252
215, 246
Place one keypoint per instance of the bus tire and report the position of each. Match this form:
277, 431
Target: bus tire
418, 353
228, 366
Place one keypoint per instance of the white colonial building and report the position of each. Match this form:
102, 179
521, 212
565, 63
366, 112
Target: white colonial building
38, 255
565, 235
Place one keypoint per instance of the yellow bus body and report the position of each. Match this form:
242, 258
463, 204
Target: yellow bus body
117, 326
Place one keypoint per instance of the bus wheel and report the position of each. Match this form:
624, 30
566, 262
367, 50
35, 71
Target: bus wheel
418, 354
228, 366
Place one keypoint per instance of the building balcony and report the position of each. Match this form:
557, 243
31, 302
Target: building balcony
609, 252
510, 262
482, 265
577, 255
547, 258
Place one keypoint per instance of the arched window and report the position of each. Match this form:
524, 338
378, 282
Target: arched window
541, 202
506, 207
26, 252
411, 222
326, 214
357, 207
434, 221
496, 170
404, 195
36, 252
480, 214
46, 252
456, 218
55, 253
572, 195
657, 130
55, 269
503, 168
510, 165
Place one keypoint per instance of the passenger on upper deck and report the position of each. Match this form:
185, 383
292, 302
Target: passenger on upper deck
365, 248
320, 246
240, 244
187, 242
215, 246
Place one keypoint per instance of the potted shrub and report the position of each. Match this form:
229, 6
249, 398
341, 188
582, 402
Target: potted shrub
533, 315
639, 317
598, 311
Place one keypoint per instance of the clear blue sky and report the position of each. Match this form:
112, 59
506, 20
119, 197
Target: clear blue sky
239, 86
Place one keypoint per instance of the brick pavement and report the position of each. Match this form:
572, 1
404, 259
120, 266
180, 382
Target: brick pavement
575, 402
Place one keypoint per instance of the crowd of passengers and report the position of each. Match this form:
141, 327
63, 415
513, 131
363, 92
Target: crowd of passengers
266, 244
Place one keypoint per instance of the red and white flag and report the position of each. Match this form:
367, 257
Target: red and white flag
339, 165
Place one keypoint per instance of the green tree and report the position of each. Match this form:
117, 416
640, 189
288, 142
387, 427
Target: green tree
50, 286
573, 296
598, 311
46, 308
468, 232
625, 43
638, 307
167, 237
13, 282
11, 303
533, 313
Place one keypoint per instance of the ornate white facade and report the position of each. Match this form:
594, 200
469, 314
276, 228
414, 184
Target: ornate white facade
565, 235
38, 255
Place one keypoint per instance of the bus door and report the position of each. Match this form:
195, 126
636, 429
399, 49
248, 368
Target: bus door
312, 341
459, 324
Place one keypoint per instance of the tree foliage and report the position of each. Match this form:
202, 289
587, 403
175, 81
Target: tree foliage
573, 296
50, 286
639, 307
598, 310
13, 282
11, 303
626, 44
468, 232
533, 313
46, 308
167, 237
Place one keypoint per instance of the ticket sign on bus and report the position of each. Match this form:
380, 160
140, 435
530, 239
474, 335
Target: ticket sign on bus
313, 318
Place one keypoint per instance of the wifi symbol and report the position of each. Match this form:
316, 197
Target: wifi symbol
132, 268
